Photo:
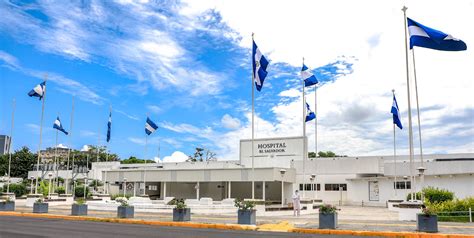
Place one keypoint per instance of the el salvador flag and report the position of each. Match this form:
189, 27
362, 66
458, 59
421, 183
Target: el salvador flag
426, 37
58, 126
150, 126
308, 76
109, 126
259, 65
309, 114
38, 91
396, 113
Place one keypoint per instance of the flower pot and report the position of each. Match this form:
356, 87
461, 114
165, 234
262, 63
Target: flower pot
246, 217
427, 223
125, 212
79, 210
7, 206
182, 214
327, 221
40, 207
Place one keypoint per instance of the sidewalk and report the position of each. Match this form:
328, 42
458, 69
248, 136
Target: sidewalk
350, 218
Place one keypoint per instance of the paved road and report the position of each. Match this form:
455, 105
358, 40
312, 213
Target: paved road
22, 227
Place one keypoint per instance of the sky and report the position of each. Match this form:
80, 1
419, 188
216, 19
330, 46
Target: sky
186, 64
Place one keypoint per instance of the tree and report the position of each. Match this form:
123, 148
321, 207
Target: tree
95, 184
311, 155
22, 162
210, 156
198, 153
326, 154
135, 160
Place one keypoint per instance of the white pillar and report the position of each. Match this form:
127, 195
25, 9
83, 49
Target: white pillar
164, 190
282, 194
229, 188
197, 191
135, 189
263, 190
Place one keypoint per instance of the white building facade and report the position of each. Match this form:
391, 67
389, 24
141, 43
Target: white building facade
279, 169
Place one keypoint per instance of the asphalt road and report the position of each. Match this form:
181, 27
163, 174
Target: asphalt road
19, 227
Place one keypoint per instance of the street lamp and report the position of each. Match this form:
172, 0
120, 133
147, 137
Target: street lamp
421, 172
85, 188
282, 172
49, 185
31, 186
124, 186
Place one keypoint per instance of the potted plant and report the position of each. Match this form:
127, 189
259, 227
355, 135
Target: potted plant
79, 208
180, 212
246, 214
327, 217
7, 205
124, 210
427, 221
40, 206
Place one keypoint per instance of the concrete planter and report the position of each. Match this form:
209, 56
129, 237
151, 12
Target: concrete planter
328, 221
182, 214
79, 210
427, 223
125, 212
7, 206
40, 207
246, 217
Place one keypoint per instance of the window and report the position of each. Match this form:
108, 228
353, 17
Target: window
402, 185
152, 187
310, 187
335, 187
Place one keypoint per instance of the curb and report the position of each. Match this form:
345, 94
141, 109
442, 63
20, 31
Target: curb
237, 227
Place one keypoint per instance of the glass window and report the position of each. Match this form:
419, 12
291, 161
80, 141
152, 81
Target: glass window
335, 187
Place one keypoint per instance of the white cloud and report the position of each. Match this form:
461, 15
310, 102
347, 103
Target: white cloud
133, 117
230, 122
176, 157
153, 108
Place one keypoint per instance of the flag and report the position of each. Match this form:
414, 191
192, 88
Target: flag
309, 114
150, 126
109, 126
396, 113
259, 65
38, 91
58, 126
426, 37
308, 76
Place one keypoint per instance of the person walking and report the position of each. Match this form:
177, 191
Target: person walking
296, 204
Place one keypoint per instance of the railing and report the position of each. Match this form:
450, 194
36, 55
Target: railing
456, 216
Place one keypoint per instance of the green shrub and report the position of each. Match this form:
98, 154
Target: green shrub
60, 190
178, 202
327, 209
79, 191
18, 189
244, 205
453, 210
434, 195
114, 196
417, 196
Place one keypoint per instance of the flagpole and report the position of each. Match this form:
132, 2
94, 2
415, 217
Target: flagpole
304, 140
144, 170
56, 162
70, 145
41, 133
316, 136
106, 186
410, 130
253, 117
96, 177
394, 153
422, 175
11, 144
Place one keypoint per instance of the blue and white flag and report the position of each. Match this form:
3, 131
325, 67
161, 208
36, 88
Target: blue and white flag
309, 114
259, 66
426, 37
308, 76
38, 91
59, 126
396, 113
109, 126
150, 126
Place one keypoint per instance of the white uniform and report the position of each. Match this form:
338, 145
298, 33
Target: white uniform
296, 204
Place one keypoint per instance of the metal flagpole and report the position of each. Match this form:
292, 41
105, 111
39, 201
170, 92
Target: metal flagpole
56, 162
106, 186
410, 130
316, 120
41, 133
422, 175
10, 147
70, 146
96, 177
144, 171
394, 154
304, 141
253, 117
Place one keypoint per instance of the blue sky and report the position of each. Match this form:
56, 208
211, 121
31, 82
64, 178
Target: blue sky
187, 65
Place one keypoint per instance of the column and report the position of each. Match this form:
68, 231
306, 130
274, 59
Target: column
164, 190
282, 194
263, 190
229, 189
135, 189
197, 190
